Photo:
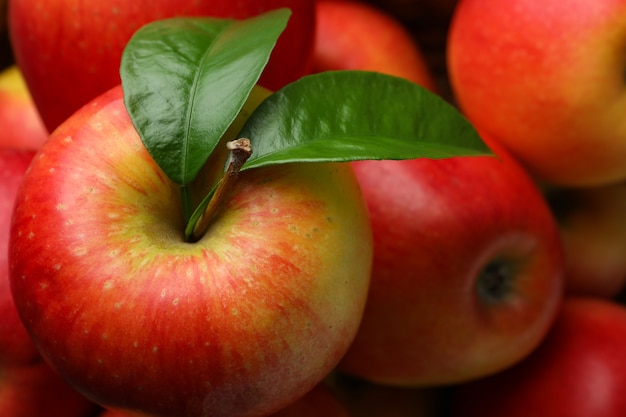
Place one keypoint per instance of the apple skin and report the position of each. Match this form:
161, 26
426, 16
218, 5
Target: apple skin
544, 77
467, 273
70, 51
579, 370
593, 232
22, 127
352, 35
242, 322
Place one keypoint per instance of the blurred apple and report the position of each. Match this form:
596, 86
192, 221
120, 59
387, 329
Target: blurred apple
593, 230
545, 77
467, 271
352, 35
578, 371
21, 125
69, 51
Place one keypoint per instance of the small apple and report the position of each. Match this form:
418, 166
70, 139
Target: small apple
354, 35
578, 371
467, 273
544, 77
242, 322
593, 232
22, 127
69, 51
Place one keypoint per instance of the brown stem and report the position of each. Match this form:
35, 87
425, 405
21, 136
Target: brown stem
240, 151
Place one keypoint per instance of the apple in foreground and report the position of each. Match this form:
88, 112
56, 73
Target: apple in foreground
70, 51
467, 272
22, 127
593, 231
545, 77
241, 323
354, 35
578, 371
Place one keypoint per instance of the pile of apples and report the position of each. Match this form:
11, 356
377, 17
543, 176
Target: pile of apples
495, 283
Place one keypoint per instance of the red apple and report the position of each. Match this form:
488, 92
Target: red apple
593, 231
70, 51
579, 370
22, 127
467, 271
352, 35
240, 323
544, 77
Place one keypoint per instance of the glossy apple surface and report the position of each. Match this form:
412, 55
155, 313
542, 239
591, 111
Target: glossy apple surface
467, 272
22, 127
578, 371
546, 78
242, 322
70, 51
353, 35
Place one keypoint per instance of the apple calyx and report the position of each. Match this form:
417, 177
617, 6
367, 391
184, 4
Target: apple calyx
185, 101
495, 281
239, 152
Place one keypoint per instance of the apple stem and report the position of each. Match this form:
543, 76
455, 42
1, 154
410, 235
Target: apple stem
240, 150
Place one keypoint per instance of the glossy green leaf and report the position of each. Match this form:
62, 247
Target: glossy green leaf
186, 79
354, 115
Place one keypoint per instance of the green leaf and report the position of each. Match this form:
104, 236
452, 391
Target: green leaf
352, 115
186, 79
